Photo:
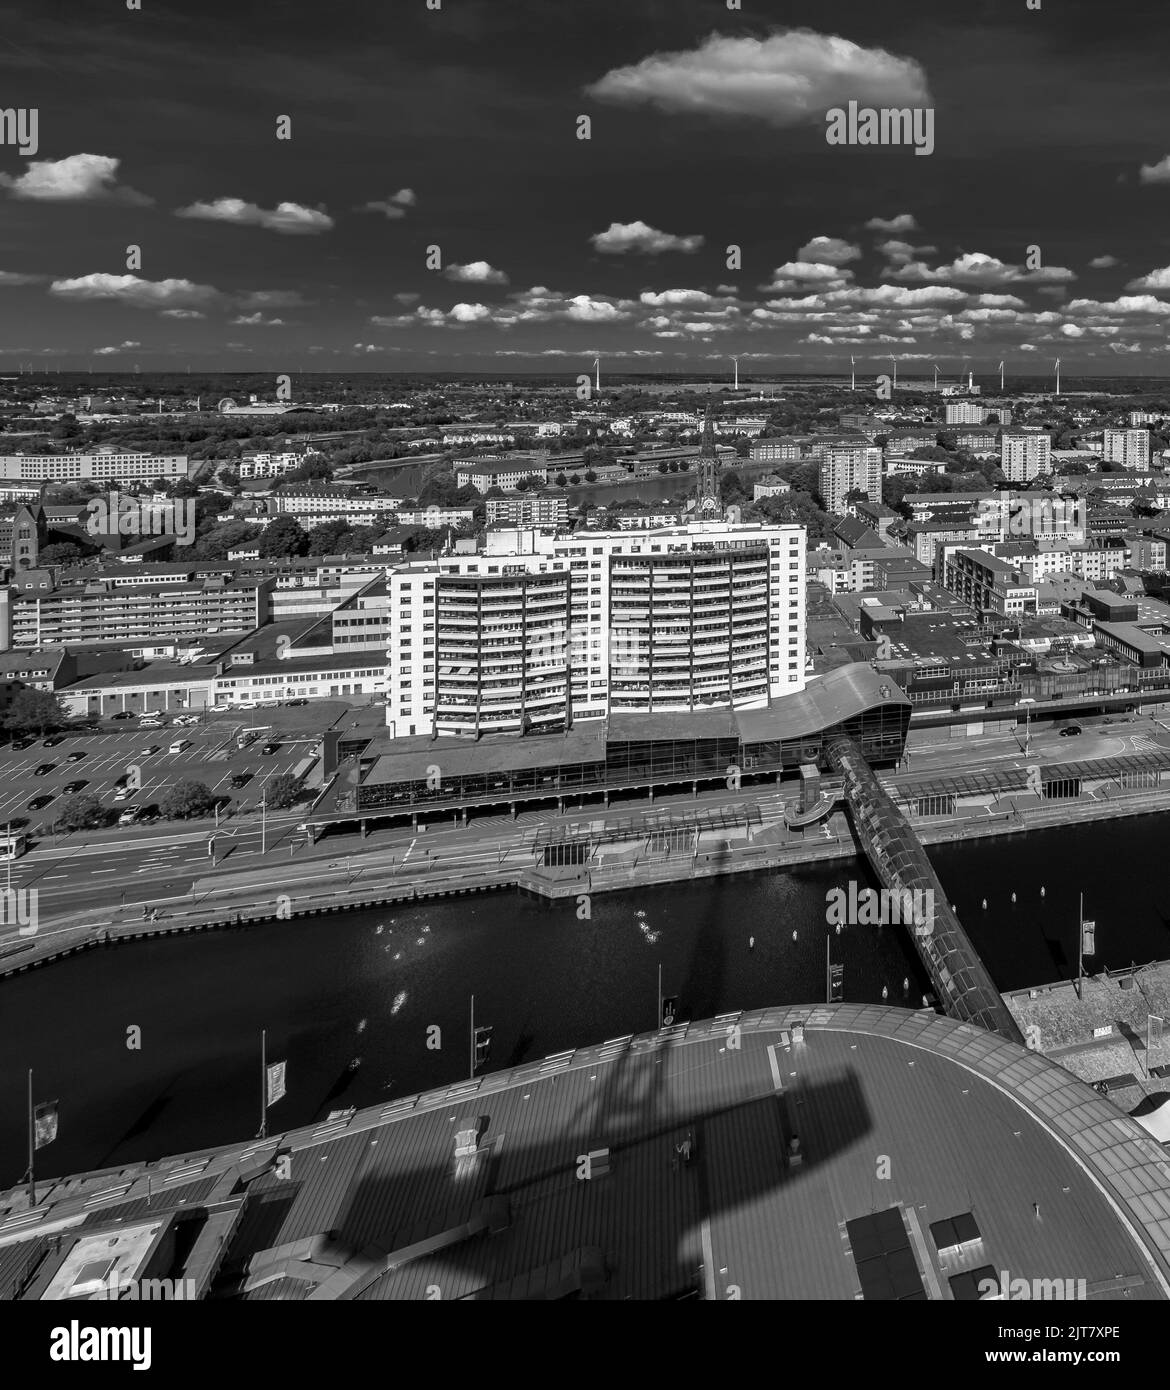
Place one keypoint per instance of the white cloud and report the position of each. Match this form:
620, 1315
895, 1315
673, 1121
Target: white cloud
12, 277
904, 222
138, 293
110, 351
1103, 262
393, 207
79, 178
407, 298
475, 273
1156, 173
1155, 280
290, 218
622, 237
902, 253
973, 267
182, 314
272, 299
670, 298
257, 320
785, 79
829, 250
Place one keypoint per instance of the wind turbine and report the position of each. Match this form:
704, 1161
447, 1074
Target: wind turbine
597, 376
736, 361
894, 360
853, 371
936, 376
1001, 378
1058, 376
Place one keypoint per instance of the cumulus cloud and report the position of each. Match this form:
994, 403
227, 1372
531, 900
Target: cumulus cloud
975, 268
670, 298
272, 299
902, 253
292, 219
475, 273
257, 320
110, 351
1156, 173
181, 314
786, 79
1103, 262
904, 222
393, 207
797, 275
78, 178
135, 292
1155, 280
829, 250
622, 237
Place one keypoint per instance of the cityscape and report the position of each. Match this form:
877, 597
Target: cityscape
585, 662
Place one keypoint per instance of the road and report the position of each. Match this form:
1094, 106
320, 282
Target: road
157, 864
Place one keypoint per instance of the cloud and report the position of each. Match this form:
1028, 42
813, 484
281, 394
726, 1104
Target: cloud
1155, 280
407, 298
786, 79
670, 298
135, 292
902, 253
109, 351
904, 222
804, 275
621, 237
12, 277
79, 178
829, 250
475, 273
181, 314
1156, 173
1103, 262
975, 268
272, 299
257, 320
393, 207
290, 218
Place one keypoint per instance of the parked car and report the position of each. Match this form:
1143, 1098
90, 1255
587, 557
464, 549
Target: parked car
269, 749
124, 714
154, 748
72, 787
129, 816
38, 803
23, 742
75, 757
43, 768
124, 794
241, 779
120, 782
52, 741
291, 703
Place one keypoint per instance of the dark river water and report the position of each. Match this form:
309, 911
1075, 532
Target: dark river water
371, 984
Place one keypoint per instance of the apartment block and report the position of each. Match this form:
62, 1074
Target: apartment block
541, 630
529, 509
1024, 455
850, 468
103, 464
1130, 448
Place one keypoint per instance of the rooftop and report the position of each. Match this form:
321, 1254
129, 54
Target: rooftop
1000, 1159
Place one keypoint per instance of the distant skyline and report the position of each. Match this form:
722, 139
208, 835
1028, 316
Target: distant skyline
456, 128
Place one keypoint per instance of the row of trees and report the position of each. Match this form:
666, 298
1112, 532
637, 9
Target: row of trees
185, 800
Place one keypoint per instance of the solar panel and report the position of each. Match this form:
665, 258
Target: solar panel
886, 1267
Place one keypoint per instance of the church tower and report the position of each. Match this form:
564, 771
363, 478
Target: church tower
708, 507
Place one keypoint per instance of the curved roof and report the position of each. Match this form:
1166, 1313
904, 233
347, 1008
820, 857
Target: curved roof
476, 1188
826, 701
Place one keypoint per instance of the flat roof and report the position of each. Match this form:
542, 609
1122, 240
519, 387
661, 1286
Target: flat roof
407, 759
980, 1129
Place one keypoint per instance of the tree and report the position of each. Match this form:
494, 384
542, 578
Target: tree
663, 466
590, 476
36, 709
561, 480
283, 537
575, 480
282, 791
83, 812
522, 485
185, 799
62, 553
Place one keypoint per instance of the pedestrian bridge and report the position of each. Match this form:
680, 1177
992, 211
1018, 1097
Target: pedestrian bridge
897, 857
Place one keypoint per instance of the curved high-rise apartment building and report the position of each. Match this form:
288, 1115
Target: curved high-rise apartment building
544, 629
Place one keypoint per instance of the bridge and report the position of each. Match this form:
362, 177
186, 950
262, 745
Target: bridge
895, 853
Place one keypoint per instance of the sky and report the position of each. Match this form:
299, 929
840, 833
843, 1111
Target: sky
434, 207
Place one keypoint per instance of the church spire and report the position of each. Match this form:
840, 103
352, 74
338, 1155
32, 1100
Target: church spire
707, 499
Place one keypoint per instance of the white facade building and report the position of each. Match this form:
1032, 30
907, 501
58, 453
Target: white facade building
542, 630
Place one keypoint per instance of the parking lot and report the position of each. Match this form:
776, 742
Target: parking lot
212, 757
